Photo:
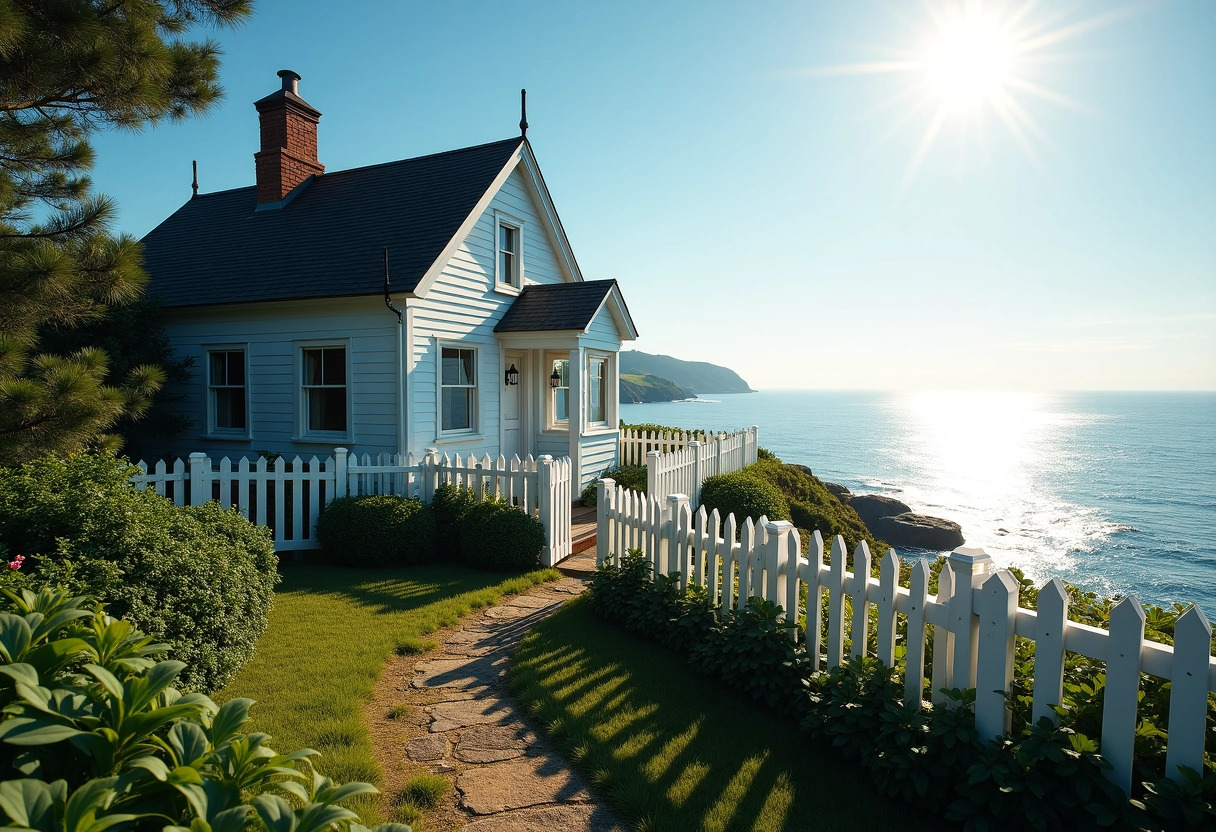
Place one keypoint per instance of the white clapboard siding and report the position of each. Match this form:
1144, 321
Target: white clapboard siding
973, 620
289, 495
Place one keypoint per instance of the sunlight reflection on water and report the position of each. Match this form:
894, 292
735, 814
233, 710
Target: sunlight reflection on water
1111, 491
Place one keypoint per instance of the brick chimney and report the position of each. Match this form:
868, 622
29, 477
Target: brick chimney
289, 141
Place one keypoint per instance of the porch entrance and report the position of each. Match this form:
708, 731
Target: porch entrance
514, 398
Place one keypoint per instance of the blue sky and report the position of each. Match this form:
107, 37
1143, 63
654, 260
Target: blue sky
761, 206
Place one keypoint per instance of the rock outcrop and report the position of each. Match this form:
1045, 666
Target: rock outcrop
843, 494
894, 521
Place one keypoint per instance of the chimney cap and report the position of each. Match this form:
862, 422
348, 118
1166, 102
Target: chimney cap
290, 80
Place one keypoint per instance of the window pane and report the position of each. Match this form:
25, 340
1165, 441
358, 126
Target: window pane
561, 402
596, 392
312, 366
457, 408
457, 366
506, 273
334, 360
230, 408
219, 375
235, 360
327, 408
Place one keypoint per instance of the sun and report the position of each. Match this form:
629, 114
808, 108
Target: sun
969, 60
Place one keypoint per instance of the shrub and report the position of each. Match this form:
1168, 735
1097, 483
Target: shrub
813, 507
743, 495
94, 735
630, 476
378, 530
496, 535
200, 578
450, 504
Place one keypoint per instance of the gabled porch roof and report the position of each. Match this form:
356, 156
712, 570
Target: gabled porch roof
567, 307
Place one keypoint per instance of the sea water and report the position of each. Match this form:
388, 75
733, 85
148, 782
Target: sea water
1113, 492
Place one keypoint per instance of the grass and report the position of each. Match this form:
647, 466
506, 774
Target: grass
329, 635
425, 791
673, 751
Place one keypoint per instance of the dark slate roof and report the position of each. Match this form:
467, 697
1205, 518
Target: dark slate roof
327, 241
550, 306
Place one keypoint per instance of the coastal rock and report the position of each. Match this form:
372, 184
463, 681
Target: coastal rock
839, 491
806, 469
919, 530
872, 508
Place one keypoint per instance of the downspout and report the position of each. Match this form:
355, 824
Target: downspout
401, 397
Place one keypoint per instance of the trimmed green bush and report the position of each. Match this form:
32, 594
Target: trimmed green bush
377, 530
200, 578
94, 735
496, 535
744, 495
450, 504
630, 476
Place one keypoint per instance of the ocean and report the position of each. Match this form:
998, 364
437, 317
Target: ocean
1114, 492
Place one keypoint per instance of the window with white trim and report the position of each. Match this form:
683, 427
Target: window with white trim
227, 399
559, 395
458, 389
508, 253
597, 391
323, 389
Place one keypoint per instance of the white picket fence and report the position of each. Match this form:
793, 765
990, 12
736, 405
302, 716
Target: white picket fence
975, 617
676, 463
289, 495
635, 444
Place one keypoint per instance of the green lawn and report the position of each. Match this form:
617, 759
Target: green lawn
330, 633
673, 750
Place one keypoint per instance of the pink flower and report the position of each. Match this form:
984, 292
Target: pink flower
16, 562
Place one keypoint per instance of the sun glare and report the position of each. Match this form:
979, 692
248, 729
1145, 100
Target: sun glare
973, 59
967, 62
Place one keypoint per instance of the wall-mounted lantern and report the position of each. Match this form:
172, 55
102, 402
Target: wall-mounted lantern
512, 376
555, 380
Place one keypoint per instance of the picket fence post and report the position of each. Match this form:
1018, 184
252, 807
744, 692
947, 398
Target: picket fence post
429, 476
997, 608
669, 543
966, 565
544, 492
605, 500
653, 460
200, 484
340, 472
696, 472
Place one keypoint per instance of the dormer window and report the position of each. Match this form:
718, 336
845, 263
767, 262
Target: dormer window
508, 254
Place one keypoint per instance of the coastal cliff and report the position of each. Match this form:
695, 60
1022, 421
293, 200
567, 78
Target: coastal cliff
650, 388
697, 376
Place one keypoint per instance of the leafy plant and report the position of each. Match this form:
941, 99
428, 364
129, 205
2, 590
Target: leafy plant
200, 578
377, 530
92, 722
496, 535
744, 495
629, 476
450, 504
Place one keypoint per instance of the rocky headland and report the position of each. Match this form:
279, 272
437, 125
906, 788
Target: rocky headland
894, 521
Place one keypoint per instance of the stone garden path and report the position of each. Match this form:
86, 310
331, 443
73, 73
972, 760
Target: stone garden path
462, 723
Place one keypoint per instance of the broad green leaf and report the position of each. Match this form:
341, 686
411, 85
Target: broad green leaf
53, 656
319, 816
29, 731
228, 721
21, 672
275, 812
153, 765
188, 742
143, 689
108, 681
15, 637
30, 802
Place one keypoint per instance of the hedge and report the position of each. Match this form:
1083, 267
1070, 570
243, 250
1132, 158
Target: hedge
377, 530
744, 495
496, 535
200, 578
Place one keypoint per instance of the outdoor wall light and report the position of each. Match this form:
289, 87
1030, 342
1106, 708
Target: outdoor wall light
512, 376
555, 380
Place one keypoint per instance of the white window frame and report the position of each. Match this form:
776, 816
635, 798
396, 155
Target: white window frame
303, 432
552, 423
213, 428
515, 284
475, 406
606, 360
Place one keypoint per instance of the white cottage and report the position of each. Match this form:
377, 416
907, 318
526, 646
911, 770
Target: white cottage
430, 302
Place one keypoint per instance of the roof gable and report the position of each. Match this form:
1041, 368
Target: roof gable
547, 307
329, 239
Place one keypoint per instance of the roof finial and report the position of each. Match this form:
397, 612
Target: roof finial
523, 113
194, 184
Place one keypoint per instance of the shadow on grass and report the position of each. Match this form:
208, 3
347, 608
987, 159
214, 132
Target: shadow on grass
673, 750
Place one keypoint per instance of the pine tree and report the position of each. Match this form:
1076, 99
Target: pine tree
67, 69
